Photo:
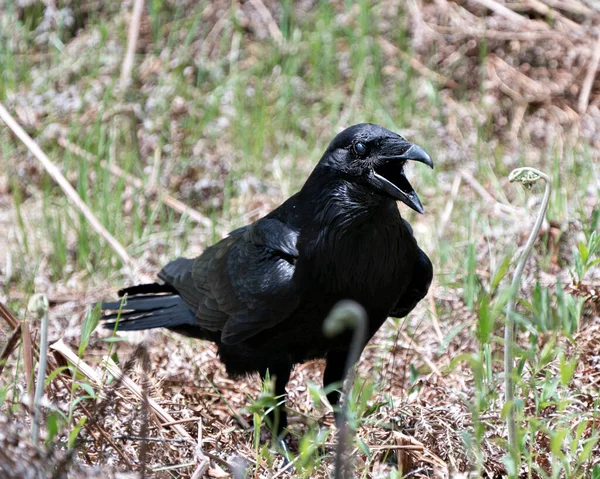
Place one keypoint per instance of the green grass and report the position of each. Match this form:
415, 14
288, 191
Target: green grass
265, 114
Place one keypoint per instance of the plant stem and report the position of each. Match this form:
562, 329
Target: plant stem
346, 314
527, 176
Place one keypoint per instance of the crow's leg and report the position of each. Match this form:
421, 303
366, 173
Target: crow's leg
335, 372
277, 417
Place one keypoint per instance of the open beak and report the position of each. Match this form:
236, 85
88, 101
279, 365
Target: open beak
388, 176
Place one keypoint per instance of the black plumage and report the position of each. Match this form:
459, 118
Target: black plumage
262, 293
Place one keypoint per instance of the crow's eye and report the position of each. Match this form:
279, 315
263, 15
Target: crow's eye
360, 149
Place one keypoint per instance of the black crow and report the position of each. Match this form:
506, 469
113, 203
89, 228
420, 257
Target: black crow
261, 294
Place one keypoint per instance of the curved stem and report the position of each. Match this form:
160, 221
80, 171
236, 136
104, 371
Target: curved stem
347, 314
527, 176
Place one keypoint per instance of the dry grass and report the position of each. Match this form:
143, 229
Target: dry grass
500, 84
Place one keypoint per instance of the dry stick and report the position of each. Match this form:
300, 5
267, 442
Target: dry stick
143, 453
204, 463
155, 169
434, 315
534, 90
113, 369
9, 347
132, 36
28, 357
10, 319
207, 43
447, 213
555, 15
8, 316
104, 434
268, 19
412, 345
509, 14
485, 194
586, 88
286, 467
166, 199
406, 447
571, 6
57, 176
181, 421
416, 64
99, 412
517, 121
527, 176
150, 439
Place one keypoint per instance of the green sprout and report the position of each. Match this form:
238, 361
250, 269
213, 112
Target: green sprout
527, 177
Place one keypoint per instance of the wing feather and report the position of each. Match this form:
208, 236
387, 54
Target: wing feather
243, 284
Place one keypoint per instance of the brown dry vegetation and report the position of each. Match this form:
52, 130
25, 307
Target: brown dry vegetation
229, 107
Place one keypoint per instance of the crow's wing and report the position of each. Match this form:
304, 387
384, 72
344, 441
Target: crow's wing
244, 283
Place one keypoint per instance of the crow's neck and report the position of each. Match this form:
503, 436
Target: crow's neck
342, 207
357, 245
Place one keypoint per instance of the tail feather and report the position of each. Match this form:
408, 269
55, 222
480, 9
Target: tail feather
148, 288
147, 311
161, 318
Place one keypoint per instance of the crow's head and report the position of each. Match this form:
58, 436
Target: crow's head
373, 156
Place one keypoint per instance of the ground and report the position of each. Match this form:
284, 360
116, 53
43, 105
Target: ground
228, 107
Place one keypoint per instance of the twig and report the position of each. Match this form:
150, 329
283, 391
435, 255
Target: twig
418, 350
534, 90
571, 6
57, 176
527, 176
416, 64
172, 467
8, 316
150, 439
510, 15
238, 417
103, 433
213, 34
517, 121
155, 170
586, 87
434, 315
132, 36
204, 463
28, 358
485, 194
447, 213
143, 453
268, 19
406, 447
181, 421
113, 369
480, 31
285, 468
166, 199
9, 347
555, 15
38, 304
